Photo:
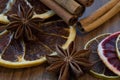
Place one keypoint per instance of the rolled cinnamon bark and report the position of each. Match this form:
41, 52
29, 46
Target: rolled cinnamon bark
98, 13
66, 16
102, 19
71, 6
86, 3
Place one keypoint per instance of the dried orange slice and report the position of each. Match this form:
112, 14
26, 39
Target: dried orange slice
19, 53
108, 54
99, 69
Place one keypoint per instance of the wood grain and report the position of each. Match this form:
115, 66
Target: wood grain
39, 73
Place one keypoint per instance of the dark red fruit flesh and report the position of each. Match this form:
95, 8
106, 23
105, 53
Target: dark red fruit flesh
110, 50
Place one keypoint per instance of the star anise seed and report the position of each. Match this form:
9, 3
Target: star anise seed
22, 23
68, 62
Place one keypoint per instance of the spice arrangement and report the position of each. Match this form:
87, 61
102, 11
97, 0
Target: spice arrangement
34, 32
25, 34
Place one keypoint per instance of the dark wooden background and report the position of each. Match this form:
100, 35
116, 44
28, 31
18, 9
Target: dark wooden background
39, 73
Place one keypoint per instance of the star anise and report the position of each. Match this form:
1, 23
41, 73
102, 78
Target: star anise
69, 62
23, 23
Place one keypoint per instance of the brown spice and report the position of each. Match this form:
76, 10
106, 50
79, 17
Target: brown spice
86, 3
70, 62
103, 18
71, 6
22, 24
98, 13
66, 16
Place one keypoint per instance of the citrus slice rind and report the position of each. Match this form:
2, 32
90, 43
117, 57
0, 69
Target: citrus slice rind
99, 70
104, 77
71, 37
117, 46
22, 61
108, 54
45, 15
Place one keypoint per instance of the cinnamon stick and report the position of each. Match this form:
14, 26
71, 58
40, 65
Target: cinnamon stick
86, 3
71, 6
102, 10
103, 18
66, 16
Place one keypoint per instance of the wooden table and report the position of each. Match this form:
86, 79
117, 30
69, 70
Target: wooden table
39, 73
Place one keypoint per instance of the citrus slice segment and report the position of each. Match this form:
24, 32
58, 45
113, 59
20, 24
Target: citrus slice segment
108, 54
118, 46
5, 40
99, 69
21, 54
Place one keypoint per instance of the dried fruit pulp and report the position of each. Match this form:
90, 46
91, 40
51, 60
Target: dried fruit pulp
99, 69
108, 54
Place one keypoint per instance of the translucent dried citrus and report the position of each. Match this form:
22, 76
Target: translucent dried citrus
99, 69
108, 54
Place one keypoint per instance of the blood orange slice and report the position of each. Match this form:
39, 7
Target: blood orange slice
108, 54
99, 69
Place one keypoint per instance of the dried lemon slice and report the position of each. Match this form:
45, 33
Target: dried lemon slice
99, 69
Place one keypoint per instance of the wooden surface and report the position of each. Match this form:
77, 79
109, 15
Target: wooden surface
39, 73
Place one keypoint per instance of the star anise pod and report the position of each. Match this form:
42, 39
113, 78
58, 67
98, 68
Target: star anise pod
23, 24
69, 62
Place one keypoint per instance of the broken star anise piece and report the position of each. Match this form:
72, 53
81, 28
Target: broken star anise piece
69, 62
23, 24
